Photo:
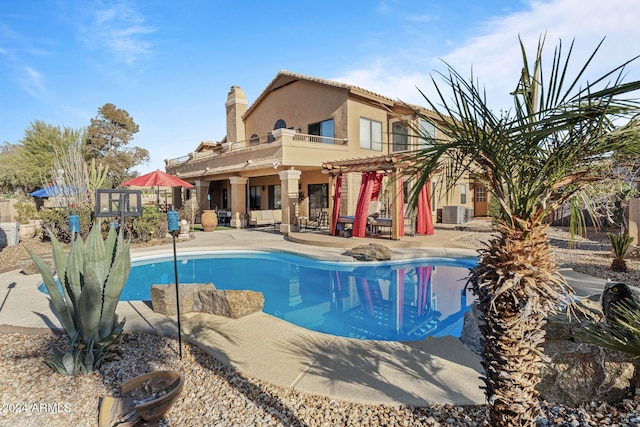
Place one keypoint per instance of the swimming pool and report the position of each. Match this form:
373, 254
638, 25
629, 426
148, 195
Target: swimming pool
397, 301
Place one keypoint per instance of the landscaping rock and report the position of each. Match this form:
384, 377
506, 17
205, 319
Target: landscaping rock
163, 297
233, 304
370, 252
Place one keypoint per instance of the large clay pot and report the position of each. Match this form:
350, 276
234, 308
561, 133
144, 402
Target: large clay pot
209, 220
27, 231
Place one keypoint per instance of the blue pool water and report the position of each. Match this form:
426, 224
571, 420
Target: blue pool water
407, 300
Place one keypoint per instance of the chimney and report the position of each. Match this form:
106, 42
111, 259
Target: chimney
236, 106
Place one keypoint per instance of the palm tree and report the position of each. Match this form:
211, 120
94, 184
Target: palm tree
531, 158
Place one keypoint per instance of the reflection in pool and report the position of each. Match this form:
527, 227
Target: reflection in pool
397, 301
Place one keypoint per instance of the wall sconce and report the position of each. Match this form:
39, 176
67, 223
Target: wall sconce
276, 165
263, 188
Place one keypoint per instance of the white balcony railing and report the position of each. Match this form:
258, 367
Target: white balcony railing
280, 135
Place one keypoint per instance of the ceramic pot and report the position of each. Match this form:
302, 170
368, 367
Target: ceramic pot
152, 409
209, 220
27, 231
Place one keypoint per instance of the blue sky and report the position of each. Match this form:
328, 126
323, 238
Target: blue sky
170, 64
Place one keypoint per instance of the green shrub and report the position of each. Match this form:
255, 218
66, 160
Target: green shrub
621, 332
150, 225
55, 222
25, 212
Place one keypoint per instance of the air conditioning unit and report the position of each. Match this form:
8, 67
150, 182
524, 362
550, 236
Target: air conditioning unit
454, 214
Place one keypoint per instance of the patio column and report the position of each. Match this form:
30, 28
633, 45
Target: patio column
397, 205
176, 197
238, 201
202, 191
289, 180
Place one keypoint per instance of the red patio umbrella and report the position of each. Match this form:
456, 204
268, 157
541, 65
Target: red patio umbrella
156, 179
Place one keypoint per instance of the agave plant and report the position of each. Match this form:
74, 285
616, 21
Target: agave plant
620, 244
90, 280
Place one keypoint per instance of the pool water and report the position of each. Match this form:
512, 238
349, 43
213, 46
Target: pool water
398, 301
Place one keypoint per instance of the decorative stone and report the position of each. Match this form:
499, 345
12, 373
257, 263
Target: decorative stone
163, 297
234, 304
370, 252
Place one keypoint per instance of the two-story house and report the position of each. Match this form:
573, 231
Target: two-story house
272, 155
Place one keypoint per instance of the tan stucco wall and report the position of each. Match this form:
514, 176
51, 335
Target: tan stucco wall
299, 104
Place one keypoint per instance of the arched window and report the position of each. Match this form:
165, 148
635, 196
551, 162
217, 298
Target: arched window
280, 124
255, 139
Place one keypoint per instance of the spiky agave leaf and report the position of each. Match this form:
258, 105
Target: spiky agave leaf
57, 298
118, 276
75, 271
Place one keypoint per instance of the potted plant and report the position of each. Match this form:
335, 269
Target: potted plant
26, 215
85, 296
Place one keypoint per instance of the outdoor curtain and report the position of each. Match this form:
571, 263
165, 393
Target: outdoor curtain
424, 222
371, 183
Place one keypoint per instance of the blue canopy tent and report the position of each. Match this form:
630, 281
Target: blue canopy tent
52, 191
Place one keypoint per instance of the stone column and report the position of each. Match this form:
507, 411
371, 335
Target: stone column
176, 197
238, 201
289, 180
202, 191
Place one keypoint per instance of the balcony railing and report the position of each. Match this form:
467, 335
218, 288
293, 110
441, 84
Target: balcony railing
278, 135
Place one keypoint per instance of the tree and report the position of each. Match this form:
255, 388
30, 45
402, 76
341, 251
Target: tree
37, 150
532, 159
107, 138
9, 170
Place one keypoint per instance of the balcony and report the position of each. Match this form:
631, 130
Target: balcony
280, 136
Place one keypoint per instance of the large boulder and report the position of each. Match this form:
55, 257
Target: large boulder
234, 304
370, 252
163, 297
576, 372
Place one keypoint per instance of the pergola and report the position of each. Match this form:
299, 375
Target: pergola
391, 165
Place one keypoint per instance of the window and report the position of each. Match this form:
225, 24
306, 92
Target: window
426, 128
280, 124
255, 139
254, 197
318, 199
275, 198
370, 134
400, 137
324, 128
463, 194
481, 194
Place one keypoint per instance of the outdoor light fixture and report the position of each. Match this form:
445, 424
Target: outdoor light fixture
276, 164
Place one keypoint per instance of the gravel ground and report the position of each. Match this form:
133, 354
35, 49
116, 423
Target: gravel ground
31, 394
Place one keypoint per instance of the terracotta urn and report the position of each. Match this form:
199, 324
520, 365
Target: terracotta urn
209, 220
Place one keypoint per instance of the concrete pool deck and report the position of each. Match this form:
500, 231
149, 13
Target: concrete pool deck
431, 371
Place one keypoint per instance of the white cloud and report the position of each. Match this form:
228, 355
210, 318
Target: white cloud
495, 54
120, 29
33, 82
